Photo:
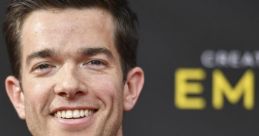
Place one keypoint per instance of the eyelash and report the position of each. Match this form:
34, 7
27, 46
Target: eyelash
43, 66
96, 63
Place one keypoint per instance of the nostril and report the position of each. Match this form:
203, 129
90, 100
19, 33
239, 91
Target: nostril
63, 94
79, 93
71, 94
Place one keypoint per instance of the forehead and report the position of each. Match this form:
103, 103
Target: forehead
72, 27
68, 19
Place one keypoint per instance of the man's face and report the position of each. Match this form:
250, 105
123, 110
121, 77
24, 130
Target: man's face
71, 78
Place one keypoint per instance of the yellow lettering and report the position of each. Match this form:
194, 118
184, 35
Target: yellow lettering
185, 86
221, 87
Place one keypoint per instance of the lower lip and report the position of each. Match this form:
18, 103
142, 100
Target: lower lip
76, 124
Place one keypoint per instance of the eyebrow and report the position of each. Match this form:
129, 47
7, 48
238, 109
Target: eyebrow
95, 51
48, 53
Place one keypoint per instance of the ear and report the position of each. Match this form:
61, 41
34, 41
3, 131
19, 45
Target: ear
132, 88
15, 94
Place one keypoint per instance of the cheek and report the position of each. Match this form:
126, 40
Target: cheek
108, 90
36, 95
36, 89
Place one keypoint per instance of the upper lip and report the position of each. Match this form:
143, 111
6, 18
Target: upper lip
73, 108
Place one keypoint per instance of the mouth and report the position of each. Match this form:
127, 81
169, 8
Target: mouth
74, 118
75, 113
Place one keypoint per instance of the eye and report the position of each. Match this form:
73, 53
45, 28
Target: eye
95, 64
42, 68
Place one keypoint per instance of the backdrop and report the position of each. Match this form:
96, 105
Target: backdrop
201, 61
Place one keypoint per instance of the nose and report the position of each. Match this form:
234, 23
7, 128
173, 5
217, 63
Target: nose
69, 85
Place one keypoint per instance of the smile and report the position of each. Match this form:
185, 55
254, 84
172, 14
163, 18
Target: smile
71, 118
73, 114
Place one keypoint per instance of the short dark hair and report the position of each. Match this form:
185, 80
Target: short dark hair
126, 36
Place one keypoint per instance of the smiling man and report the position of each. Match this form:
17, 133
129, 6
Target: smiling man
74, 65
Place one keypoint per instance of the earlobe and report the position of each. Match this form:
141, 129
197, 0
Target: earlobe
133, 87
15, 94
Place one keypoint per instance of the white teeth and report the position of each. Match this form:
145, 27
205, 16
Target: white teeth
76, 114
58, 114
86, 112
69, 114
82, 113
63, 115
